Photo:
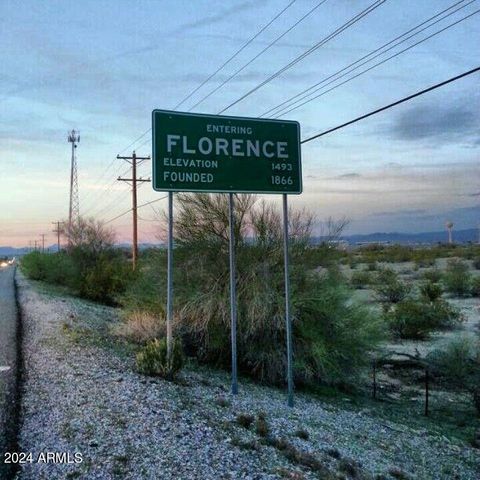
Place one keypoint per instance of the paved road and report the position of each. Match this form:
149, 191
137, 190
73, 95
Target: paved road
8, 357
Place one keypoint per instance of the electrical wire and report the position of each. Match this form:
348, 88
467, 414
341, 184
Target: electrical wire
379, 63
271, 44
391, 105
335, 33
245, 45
140, 206
214, 73
312, 89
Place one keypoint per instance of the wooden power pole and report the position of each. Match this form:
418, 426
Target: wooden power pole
43, 242
57, 231
133, 181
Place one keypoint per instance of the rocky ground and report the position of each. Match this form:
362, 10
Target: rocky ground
81, 397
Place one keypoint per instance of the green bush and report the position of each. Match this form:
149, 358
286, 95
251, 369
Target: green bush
389, 288
101, 277
417, 319
152, 359
476, 287
56, 268
476, 263
33, 266
456, 364
431, 291
332, 335
433, 275
457, 278
361, 279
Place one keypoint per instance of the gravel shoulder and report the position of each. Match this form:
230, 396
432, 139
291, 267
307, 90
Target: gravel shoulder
80, 397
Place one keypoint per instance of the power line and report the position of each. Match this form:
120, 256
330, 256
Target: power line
213, 74
245, 45
398, 102
95, 205
140, 206
288, 110
312, 49
312, 89
271, 44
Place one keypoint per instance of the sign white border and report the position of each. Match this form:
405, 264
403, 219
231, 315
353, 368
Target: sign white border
206, 115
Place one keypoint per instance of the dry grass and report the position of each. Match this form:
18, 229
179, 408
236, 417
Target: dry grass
140, 327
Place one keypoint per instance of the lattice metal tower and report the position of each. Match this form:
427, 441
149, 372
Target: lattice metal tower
74, 206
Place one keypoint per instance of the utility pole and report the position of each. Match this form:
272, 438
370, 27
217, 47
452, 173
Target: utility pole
35, 245
43, 242
134, 180
57, 231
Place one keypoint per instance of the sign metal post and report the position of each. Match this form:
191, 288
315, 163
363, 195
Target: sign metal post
288, 319
170, 277
233, 293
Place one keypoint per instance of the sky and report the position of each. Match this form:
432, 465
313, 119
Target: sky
102, 66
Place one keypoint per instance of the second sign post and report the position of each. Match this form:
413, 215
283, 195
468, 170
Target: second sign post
223, 154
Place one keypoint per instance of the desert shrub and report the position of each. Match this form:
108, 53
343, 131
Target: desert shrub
140, 326
431, 291
261, 425
91, 267
417, 319
245, 420
389, 288
457, 365
103, 276
476, 263
33, 265
476, 287
361, 279
152, 359
372, 266
433, 275
457, 277
424, 262
332, 335
56, 268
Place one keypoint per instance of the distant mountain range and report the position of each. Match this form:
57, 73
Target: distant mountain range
459, 236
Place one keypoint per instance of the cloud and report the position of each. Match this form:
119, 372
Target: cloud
441, 123
399, 213
347, 176
215, 18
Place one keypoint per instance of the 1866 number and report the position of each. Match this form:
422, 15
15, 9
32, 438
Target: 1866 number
281, 180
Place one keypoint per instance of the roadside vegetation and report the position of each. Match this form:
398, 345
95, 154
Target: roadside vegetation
348, 307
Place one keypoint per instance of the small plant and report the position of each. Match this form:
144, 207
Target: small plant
457, 365
476, 263
476, 287
302, 433
457, 278
433, 275
431, 291
361, 279
222, 402
348, 466
152, 359
261, 425
245, 420
399, 474
140, 327
416, 319
372, 266
389, 288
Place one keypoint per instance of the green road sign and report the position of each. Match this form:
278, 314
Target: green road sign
212, 153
